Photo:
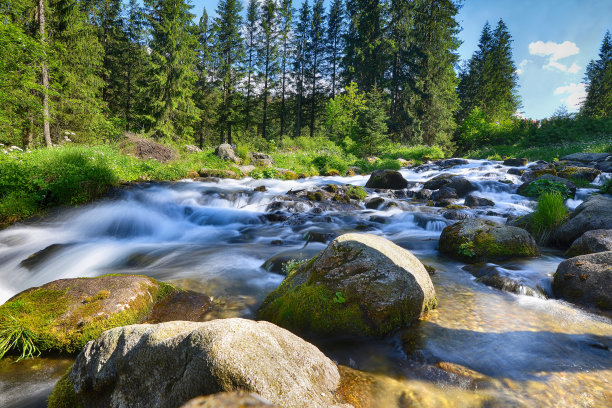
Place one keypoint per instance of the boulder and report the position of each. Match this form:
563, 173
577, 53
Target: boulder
246, 170
516, 172
261, 159
226, 152
547, 182
281, 263
452, 163
423, 194
361, 284
605, 166
593, 214
387, 180
461, 185
445, 193
479, 240
580, 173
65, 314
537, 170
591, 242
586, 280
207, 173
231, 399
165, 365
474, 201
374, 203
516, 162
586, 157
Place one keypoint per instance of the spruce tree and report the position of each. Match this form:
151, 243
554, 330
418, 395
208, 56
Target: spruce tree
372, 119
299, 61
172, 74
398, 36
335, 33
315, 53
285, 17
598, 102
135, 63
267, 55
251, 35
228, 51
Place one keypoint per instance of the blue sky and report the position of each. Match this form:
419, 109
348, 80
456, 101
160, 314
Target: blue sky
554, 40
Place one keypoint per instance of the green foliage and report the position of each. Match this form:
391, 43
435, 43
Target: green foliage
356, 192
292, 264
338, 298
15, 336
606, 187
467, 249
370, 134
342, 112
598, 102
540, 187
326, 163
549, 214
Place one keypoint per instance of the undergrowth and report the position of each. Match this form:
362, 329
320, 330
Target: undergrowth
549, 215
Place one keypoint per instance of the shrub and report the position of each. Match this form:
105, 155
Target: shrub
606, 188
326, 163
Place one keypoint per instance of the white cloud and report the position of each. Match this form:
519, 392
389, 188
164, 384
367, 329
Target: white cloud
521, 66
556, 51
576, 94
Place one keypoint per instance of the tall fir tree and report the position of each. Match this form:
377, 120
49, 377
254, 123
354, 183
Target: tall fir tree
172, 73
315, 53
398, 33
598, 79
335, 34
228, 51
251, 31
285, 22
267, 56
300, 59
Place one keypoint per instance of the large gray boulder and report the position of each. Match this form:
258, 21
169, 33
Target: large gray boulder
165, 365
605, 166
226, 152
361, 284
387, 180
479, 240
474, 201
586, 280
586, 157
460, 184
591, 242
593, 214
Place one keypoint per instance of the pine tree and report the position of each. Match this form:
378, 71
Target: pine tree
598, 102
172, 73
228, 51
315, 52
299, 61
44, 74
398, 35
285, 17
267, 55
251, 32
335, 33
135, 63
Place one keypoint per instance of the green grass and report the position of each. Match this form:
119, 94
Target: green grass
606, 188
549, 215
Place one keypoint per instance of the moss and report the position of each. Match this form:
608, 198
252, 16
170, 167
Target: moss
63, 395
57, 326
356, 192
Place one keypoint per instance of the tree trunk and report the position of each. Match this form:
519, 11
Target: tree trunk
45, 76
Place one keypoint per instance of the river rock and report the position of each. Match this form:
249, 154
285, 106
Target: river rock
261, 159
374, 203
586, 280
581, 173
586, 157
167, 364
516, 171
208, 173
537, 170
233, 399
387, 180
495, 277
591, 242
423, 194
67, 313
516, 162
479, 240
605, 166
593, 214
226, 152
361, 284
452, 163
461, 185
524, 188
474, 201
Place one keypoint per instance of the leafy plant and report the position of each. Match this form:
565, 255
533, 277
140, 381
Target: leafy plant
14, 336
356, 192
338, 298
468, 248
606, 188
538, 187
292, 264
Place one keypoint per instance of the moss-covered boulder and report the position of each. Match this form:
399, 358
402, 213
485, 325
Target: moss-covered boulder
387, 180
591, 242
361, 284
547, 183
578, 173
586, 280
478, 240
63, 315
593, 214
165, 365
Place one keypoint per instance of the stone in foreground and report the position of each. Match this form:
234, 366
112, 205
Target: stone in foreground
478, 240
361, 284
586, 280
165, 365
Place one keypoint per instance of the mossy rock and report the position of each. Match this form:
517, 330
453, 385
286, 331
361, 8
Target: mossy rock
478, 240
360, 285
63, 395
545, 184
63, 315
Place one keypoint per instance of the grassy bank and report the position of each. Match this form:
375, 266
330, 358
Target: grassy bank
33, 181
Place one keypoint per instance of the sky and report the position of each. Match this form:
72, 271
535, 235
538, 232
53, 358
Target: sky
554, 40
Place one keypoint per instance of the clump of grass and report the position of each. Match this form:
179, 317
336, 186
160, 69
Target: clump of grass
549, 215
15, 336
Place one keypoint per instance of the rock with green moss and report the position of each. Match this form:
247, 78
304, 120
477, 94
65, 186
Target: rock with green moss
387, 180
586, 280
479, 240
63, 315
165, 365
360, 285
547, 183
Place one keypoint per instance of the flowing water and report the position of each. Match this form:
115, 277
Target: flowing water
480, 347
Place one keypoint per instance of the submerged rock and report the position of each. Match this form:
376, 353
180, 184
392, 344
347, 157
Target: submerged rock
591, 242
65, 314
166, 365
494, 276
478, 240
586, 280
446, 163
593, 214
474, 201
387, 180
361, 284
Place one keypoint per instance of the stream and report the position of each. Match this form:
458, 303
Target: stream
213, 238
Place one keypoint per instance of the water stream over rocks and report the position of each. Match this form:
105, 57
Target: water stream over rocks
480, 344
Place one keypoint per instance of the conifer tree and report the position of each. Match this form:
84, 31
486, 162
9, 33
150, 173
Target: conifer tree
251, 30
335, 33
315, 52
228, 51
267, 55
285, 21
301, 41
135, 63
598, 102
371, 124
398, 36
